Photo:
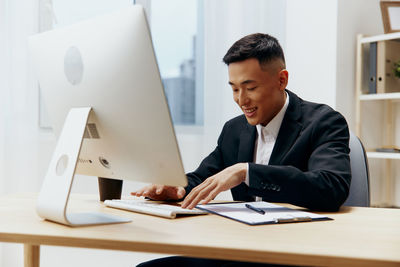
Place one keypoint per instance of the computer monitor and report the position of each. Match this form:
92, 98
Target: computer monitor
104, 95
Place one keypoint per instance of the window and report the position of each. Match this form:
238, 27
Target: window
177, 39
175, 33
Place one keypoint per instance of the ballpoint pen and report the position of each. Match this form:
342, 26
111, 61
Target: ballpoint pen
255, 209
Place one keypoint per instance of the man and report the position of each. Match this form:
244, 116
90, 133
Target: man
282, 149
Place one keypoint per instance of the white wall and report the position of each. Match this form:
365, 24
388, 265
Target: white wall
226, 21
311, 49
355, 17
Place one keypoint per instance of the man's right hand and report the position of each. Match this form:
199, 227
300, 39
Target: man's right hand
161, 192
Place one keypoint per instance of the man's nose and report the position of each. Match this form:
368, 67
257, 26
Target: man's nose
243, 99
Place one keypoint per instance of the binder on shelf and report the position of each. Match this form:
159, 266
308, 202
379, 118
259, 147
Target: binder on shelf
388, 52
372, 68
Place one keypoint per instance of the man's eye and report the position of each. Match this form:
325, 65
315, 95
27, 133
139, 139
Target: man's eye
252, 88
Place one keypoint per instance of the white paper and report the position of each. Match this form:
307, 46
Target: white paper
273, 213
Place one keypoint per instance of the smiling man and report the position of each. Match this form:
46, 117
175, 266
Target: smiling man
282, 149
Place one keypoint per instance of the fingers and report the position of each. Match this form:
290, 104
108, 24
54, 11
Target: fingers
142, 191
149, 191
180, 192
212, 186
203, 192
210, 196
156, 192
138, 192
195, 191
159, 189
160, 192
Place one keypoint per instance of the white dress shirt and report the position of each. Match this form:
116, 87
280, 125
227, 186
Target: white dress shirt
265, 141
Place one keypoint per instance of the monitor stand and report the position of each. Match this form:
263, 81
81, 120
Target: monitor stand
56, 188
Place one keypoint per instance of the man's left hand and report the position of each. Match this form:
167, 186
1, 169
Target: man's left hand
212, 186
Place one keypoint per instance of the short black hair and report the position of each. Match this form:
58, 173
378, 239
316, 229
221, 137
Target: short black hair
265, 48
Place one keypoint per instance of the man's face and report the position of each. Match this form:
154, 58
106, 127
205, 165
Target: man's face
260, 93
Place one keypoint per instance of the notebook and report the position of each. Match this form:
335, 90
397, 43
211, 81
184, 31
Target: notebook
260, 213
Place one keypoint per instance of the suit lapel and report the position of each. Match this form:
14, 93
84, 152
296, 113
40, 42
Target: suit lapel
246, 145
245, 154
289, 131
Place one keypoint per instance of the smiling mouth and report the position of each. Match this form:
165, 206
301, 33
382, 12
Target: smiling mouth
249, 111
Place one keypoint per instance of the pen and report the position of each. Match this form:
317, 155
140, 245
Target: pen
254, 209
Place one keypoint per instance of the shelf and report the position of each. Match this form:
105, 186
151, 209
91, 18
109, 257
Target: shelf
382, 163
382, 37
383, 155
387, 96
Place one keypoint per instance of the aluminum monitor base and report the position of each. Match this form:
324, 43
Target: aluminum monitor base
56, 188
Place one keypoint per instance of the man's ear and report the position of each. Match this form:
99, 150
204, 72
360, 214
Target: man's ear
283, 79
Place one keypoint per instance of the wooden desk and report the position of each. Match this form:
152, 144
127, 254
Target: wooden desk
356, 236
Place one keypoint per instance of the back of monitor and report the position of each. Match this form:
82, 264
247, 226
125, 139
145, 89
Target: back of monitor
104, 95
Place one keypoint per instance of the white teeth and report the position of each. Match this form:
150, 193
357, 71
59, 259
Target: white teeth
249, 110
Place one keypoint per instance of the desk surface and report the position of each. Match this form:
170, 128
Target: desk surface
356, 236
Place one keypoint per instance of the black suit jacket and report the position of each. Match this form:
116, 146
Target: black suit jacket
309, 165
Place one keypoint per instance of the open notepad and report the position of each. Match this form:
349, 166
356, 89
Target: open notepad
273, 213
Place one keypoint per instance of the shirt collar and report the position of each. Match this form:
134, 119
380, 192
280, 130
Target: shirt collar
274, 125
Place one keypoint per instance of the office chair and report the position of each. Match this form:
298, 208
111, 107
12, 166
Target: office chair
359, 187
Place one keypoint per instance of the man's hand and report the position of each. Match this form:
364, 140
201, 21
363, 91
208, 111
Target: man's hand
212, 186
161, 192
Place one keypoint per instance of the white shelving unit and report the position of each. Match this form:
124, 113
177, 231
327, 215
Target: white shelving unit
387, 96
379, 132
383, 155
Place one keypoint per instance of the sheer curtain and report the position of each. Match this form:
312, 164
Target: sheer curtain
19, 131
20, 138
226, 21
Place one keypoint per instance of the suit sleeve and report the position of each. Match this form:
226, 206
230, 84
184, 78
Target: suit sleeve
211, 165
324, 185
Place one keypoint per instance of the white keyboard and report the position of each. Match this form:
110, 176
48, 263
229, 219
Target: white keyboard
152, 207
